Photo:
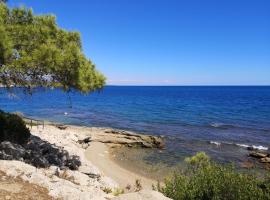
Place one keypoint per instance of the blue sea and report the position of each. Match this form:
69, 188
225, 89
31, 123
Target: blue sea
220, 120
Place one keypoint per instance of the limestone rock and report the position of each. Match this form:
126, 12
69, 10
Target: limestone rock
142, 195
265, 160
130, 139
71, 186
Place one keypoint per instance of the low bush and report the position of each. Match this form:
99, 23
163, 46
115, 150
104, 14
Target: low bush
118, 191
13, 128
206, 180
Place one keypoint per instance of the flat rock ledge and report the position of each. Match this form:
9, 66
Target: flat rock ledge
129, 139
71, 176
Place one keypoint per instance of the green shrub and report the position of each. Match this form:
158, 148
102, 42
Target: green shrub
118, 191
206, 180
13, 128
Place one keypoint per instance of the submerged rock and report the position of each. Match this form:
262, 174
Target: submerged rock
258, 154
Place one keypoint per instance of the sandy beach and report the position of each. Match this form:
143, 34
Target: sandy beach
97, 176
99, 154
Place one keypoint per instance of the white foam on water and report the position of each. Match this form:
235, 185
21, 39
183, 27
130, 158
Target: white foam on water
215, 142
217, 125
243, 145
258, 147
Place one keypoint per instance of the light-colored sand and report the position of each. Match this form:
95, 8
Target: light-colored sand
98, 154
92, 146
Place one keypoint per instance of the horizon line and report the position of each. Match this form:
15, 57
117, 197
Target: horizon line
115, 85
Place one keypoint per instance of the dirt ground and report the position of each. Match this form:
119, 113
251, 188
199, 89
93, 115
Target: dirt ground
17, 189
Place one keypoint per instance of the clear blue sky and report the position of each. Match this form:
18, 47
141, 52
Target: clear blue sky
170, 42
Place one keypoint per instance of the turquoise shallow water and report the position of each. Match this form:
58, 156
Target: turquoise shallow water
222, 121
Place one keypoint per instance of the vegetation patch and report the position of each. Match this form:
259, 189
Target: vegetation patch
13, 128
204, 179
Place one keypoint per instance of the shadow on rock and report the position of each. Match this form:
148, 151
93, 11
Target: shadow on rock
39, 153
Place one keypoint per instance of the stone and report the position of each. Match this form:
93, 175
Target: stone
73, 162
265, 160
131, 139
85, 145
4, 156
89, 172
38, 161
258, 154
11, 151
61, 127
85, 140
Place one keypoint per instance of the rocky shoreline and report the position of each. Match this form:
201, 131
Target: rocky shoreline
54, 159
261, 156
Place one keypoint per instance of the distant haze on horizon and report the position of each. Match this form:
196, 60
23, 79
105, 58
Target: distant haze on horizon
170, 42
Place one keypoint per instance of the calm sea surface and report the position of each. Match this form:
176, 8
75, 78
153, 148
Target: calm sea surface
222, 121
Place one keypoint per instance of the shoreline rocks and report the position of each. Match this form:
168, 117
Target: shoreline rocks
54, 159
262, 156
39, 153
130, 139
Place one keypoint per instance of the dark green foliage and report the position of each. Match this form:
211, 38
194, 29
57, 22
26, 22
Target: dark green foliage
206, 180
13, 129
34, 51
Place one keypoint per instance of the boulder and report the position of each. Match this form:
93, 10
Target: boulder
11, 151
4, 156
38, 161
73, 162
